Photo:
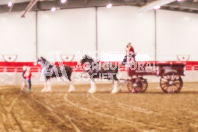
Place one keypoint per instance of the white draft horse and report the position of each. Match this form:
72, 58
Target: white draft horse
51, 71
97, 70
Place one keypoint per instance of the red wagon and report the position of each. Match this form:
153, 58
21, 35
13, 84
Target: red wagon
169, 72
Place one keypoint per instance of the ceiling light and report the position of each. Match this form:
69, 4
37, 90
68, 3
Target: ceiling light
156, 7
53, 9
10, 4
63, 1
109, 5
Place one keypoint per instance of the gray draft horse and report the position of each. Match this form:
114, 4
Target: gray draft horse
51, 71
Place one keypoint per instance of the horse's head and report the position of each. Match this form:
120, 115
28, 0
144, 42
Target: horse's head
85, 59
40, 60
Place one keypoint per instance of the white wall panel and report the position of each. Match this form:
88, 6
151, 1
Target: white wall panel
119, 25
66, 31
177, 33
73, 30
17, 35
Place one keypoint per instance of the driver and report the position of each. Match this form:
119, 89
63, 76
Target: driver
130, 54
129, 49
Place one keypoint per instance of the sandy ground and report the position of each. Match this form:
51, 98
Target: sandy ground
60, 111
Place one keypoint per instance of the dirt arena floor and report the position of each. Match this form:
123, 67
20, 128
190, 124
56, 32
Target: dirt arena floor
60, 111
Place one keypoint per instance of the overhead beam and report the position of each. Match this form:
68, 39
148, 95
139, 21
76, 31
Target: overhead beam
151, 5
29, 7
5, 2
184, 5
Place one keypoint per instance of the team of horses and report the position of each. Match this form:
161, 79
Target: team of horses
95, 70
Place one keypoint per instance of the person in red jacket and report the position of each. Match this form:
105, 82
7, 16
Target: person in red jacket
28, 76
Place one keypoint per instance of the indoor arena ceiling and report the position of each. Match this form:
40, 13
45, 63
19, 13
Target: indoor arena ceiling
21, 5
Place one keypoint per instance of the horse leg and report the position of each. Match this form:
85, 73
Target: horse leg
71, 87
45, 86
67, 74
115, 84
115, 87
49, 89
93, 87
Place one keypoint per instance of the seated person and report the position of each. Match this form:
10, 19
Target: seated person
130, 54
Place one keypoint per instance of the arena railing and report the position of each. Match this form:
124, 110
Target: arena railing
7, 67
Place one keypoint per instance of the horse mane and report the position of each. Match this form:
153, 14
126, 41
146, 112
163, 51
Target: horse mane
43, 58
88, 57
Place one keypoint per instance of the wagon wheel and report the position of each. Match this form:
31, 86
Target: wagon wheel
171, 82
145, 84
135, 85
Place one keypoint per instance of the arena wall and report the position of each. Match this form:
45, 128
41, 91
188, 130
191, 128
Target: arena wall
18, 36
176, 34
66, 31
120, 25
74, 30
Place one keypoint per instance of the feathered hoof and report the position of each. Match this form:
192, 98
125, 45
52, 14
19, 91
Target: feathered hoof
92, 91
43, 90
114, 91
70, 91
